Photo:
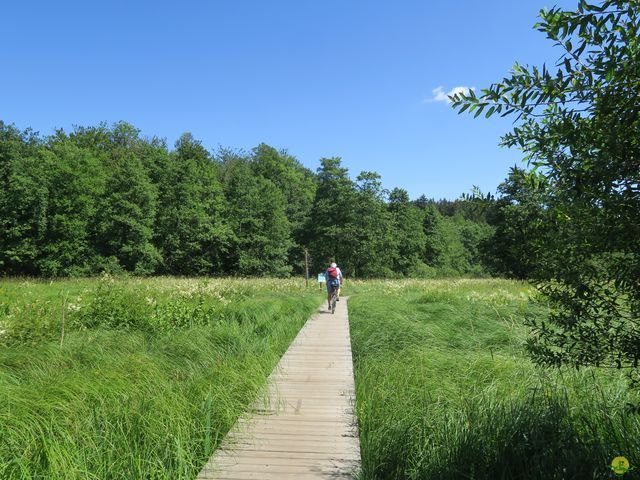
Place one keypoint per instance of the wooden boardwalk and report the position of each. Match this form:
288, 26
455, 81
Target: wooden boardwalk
303, 427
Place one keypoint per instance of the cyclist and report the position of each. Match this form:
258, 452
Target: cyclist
334, 280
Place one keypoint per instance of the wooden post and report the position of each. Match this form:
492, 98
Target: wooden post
64, 307
306, 267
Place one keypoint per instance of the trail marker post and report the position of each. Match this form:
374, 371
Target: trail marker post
306, 267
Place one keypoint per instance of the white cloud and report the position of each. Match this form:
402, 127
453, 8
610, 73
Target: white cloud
439, 95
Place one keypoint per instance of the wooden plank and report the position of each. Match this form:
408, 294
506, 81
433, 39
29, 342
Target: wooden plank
299, 461
320, 458
304, 468
293, 430
311, 475
303, 425
293, 446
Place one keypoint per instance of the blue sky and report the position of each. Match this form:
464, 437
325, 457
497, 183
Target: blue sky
354, 79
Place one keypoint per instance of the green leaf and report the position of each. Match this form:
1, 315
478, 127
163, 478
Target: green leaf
610, 74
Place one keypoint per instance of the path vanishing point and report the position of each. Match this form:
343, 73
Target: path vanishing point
303, 426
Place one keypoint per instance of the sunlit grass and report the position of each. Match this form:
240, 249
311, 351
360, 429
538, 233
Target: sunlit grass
445, 390
151, 373
149, 396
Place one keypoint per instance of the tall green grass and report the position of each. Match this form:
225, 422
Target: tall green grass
149, 376
445, 391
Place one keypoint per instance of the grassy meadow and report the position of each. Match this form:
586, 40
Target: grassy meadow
141, 378
148, 376
445, 391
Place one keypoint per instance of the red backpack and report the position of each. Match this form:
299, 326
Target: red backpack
333, 272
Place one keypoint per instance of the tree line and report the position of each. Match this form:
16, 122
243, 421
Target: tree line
105, 199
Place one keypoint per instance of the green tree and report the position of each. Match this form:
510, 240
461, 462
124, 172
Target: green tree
191, 232
453, 245
434, 247
579, 124
371, 229
24, 197
123, 229
296, 182
466, 206
76, 180
298, 186
474, 235
408, 233
262, 233
330, 227
522, 227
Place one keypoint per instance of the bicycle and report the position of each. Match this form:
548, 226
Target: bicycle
334, 298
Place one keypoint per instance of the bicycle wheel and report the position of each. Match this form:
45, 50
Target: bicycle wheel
334, 296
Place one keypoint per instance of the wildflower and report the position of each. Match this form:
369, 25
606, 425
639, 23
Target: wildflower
73, 307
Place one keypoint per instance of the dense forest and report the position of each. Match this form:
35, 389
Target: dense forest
105, 199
